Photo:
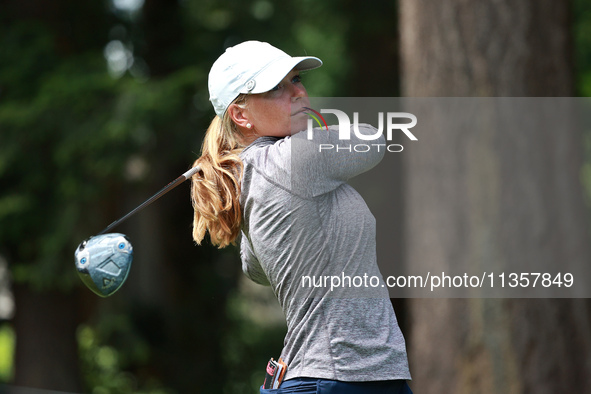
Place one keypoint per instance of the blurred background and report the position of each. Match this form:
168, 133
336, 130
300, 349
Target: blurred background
104, 102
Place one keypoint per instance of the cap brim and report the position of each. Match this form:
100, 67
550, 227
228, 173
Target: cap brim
307, 63
268, 78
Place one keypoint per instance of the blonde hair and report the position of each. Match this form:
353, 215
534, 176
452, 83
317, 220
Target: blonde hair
215, 190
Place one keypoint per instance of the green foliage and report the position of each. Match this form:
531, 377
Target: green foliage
28, 53
582, 36
51, 144
7, 343
64, 150
104, 366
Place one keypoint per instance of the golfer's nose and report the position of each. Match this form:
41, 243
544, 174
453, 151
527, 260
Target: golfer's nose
298, 90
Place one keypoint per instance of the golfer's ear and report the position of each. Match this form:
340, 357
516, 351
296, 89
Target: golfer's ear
238, 115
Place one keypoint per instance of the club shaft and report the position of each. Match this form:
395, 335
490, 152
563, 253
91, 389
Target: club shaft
155, 197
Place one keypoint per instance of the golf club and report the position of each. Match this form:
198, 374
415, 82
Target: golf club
103, 261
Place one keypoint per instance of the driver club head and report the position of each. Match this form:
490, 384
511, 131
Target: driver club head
103, 262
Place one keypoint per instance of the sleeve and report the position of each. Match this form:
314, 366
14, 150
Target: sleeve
323, 163
250, 264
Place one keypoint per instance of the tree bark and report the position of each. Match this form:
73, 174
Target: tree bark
516, 201
496, 48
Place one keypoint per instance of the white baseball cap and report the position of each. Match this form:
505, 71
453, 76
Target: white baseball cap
251, 67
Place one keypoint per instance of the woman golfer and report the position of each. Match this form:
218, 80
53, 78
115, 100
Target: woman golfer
266, 183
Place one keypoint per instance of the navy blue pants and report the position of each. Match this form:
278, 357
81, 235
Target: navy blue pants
324, 386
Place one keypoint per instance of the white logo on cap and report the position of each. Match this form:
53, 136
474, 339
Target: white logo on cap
250, 85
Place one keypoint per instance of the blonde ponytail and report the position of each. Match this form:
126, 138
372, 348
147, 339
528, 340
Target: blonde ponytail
215, 190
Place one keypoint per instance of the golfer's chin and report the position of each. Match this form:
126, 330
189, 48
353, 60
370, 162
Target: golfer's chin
299, 122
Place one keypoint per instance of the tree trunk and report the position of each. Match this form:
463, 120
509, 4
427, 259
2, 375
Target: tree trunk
46, 349
494, 48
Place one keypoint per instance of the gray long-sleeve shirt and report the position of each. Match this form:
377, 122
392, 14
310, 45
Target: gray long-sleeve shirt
304, 226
